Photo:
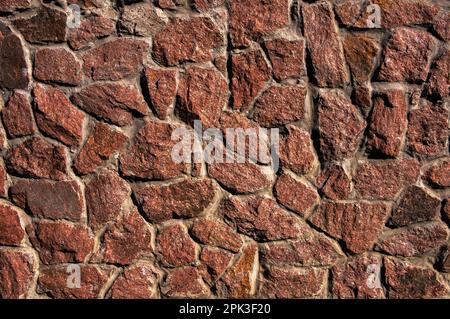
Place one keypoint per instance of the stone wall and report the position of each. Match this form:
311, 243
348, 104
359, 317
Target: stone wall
94, 206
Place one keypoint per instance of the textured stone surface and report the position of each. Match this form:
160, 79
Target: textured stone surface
414, 241
384, 179
406, 49
141, 19
215, 233
439, 79
50, 200
415, 205
296, 151
406, 280
174, 246
13, 5
184, 283
334, 182
50, 104
17, 116
106, 194
11, 230
387, 123
360, 52
91, 28
428, 130
16, 273
280, 105
340, 126
186, 40
36, 157
287, 58
162, 88
439, 174
328, 60
358, 224
57, 65
116, 103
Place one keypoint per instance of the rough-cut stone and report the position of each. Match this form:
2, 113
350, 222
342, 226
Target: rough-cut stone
3, 180
50, 104
384, 179
185, 199
37, 158
47, 24
357, 278
57, 65
295, 195
388, 123
150, 156
162, 88
17, 116
11, 230
360, 51
439, 79
127, 240
184, 283
102, 143
174, 246
280, 105
50, 200
13, 62
287, 58
311, 249
327, 60
414, 241
214, 262
439, 175
406, 280
106, 193
357, 224
202, 94
340, 125
397, 13
296, 151
136, 282
54, 281
113, 102
115, 60
405, 51
141, 19
253, 19
441, 26
13, 5
61, 242
204, 5
239, 279
348, 11
187, 40
292, 283
260, 218
16, 273
216, 233
171, 4
249, 73
428, 130
239, 177
414, 206
362, 97
334, 183
90, 29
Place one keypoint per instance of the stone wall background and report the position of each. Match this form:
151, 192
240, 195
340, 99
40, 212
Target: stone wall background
359, 208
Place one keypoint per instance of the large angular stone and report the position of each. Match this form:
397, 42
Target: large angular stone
328, 60
187, 40
202, 94
280, 105
214, 261
184, 282
334, 183
150, 155
101, 144
253, 19
360, 51
388, 123
185, 199
415, 206
260, 218
415, 240
162, 89
16, 273
249, 73
57, 65
340, 126
439, 78
14, 74
48, 199
141, 19
90, 29
11, 230
50, 104
113, 102
18, 116
296, 151
106, 194
174, 246
406, 50
215, 233
37, 158
385, 179
115, 60
357, 224
406, 280
287, 58
439, 174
